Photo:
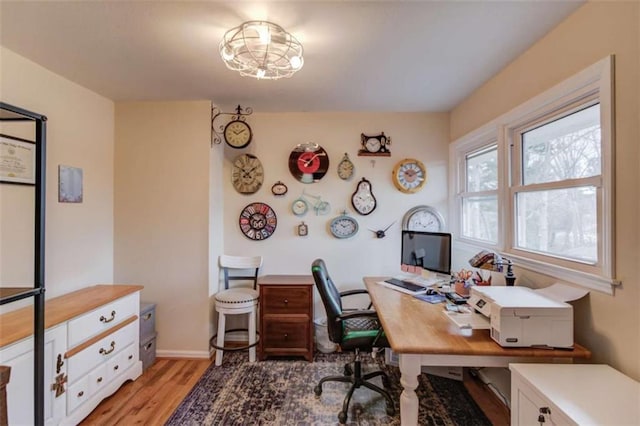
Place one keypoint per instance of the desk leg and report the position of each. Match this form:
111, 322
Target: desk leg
409, 372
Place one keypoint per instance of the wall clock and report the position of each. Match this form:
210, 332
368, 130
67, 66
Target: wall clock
303, 229
409, 175
345, 168
375, 145
247, 174
308, 162
279, 189
363, 200
299, 206
343, 226
423, 218
237, 134
258, 221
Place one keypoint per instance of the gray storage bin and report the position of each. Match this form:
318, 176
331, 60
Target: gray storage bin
148, 352
147, 321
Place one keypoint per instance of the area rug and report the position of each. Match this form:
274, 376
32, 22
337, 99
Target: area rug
280, 392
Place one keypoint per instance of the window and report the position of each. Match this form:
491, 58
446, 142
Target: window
536, 183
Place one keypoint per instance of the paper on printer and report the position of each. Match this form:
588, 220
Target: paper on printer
522, 317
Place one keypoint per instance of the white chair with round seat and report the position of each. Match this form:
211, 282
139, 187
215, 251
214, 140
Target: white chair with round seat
236, 301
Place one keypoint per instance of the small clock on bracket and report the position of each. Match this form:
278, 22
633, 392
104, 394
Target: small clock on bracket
237, 134
377, 145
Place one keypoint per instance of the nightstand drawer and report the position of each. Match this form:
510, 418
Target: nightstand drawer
283, 334
285, 300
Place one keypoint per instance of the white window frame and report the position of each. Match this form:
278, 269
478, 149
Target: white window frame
594, 82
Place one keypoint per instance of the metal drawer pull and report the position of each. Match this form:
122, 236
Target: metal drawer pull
80, 394
115, 367
147, 316
104, 351
106, 320
286, 301
99, 380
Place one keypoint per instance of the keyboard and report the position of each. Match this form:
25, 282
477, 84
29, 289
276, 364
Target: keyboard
406, 285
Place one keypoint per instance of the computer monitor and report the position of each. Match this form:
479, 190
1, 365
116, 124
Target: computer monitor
428, 250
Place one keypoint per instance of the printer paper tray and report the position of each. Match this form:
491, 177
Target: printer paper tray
470, 320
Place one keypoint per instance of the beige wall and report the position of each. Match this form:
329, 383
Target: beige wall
418, 135
161, 216
79, 237
608, 325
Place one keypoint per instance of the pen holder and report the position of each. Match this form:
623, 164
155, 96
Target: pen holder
461, 288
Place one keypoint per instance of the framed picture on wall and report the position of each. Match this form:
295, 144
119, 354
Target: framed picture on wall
69, 184
17, 160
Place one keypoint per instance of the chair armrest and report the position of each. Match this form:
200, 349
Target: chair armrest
358, 314
352, 292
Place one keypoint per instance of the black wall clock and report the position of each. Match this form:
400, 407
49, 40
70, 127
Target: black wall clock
237, 134
308, 162
258, 221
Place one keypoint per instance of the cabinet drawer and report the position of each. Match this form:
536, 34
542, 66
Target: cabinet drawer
102, 318
78, 393
285, 300
121, 362
101, 351
98, 379
286, 334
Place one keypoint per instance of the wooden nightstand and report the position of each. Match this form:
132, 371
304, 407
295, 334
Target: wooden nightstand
286, 311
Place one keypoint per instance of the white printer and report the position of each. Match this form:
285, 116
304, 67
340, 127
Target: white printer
519, 317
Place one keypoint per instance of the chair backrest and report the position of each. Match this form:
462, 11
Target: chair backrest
330, 299
240, 263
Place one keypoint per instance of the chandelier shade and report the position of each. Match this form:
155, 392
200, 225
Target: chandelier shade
262, 50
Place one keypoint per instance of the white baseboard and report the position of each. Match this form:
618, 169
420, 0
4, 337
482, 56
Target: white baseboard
182, 354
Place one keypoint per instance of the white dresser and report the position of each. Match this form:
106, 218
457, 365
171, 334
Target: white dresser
573, 394
91, 349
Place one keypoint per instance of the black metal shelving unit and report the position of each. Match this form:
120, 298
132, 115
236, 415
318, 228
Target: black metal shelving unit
12, 294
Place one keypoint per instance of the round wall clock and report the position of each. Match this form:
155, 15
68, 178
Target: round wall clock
299, 207
423, 218
343, 226
247, 174
279, 189
409, 175
362, 199
345, 168
308, 162
258, 221
237, 134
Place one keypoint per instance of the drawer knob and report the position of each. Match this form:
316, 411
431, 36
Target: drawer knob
99, 380
105, 320
286, 336
104, 351
115, 367
286, 301
80, 394
130, 357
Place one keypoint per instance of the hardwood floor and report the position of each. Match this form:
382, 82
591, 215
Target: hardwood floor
152, 398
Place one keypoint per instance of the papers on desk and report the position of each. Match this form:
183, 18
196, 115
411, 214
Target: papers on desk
468, 319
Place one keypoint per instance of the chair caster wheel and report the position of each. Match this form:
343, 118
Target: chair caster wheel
390, 410
348, 371
342, 417
317, 390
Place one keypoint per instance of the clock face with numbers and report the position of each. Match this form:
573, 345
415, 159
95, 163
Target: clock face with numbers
343, 226
363, 199
423, 218
237, 134
247, 174
409, 175
258, 221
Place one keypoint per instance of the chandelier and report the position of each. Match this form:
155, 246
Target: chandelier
262, 50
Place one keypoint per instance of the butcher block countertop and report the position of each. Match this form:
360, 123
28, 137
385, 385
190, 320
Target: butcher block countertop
18, 324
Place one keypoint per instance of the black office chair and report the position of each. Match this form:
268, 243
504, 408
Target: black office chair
353, 330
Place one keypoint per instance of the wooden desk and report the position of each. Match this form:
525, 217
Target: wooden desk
421, 334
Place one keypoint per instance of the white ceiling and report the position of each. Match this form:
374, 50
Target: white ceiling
359, 55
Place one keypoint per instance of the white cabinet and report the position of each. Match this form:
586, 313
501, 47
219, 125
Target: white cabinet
19, 356
572, 394
91, 346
